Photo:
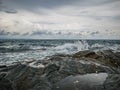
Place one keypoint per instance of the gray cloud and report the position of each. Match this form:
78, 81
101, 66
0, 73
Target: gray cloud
46, 32
10, 11
3, 32
116, 18
94, 33
33, 4
6, 9
25, 34
43, 32
1, 5
15, 33
7, 33
42, 22
40, 3
59, 17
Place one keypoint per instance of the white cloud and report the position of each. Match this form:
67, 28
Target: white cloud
67, 20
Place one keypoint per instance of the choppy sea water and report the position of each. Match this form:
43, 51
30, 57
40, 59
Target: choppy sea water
20, 50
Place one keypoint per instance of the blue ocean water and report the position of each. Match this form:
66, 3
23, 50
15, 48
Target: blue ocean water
22, 49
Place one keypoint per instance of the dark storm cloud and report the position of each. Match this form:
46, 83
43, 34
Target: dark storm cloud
6, 9
33, 4
1, 5
44, 3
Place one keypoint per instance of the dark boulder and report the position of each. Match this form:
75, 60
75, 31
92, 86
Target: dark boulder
87, 54
112, 82
5, 84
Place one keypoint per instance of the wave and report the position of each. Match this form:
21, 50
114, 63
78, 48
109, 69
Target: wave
106, 46
4, 49
66, 48
69, 48
39, 52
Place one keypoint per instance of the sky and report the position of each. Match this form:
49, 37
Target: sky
60, 19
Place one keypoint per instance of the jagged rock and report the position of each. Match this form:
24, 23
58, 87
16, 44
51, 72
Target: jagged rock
109, 58
42, 84
5, 84
81, 54
112, 82
92, 55
63, 68
51, 68
23, 76
87, 54
106, 57
56, 69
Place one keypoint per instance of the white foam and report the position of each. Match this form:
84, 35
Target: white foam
114, 47
69, 48
41, 52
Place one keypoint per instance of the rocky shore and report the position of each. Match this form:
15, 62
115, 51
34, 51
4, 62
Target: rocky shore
84, 70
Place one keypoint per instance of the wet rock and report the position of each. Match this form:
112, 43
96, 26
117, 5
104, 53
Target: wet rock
109, 58
5, 84
87, 54
105, 57
23, 76
64, 72
42, 84
112, 82
56, 71
92, 55
3, 66
82, 82
51, 68
81, 54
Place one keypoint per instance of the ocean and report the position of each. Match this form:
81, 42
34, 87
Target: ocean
15, 50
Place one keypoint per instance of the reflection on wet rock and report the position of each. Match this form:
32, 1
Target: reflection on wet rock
82, 82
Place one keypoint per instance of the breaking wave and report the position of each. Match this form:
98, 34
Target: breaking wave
13, 48
36, 50
69, 48
84, 45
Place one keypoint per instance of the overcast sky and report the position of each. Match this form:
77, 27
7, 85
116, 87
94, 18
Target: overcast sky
64, 19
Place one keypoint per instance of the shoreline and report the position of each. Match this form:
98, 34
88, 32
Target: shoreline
49, 74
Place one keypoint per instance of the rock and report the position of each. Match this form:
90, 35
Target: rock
42, 84
81, 54
112, 82
3, 66
56, 71
64, 72
5, 84
87, 54
82, 82
51, 68
92, 55
106, 57
23, 76
109, 58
